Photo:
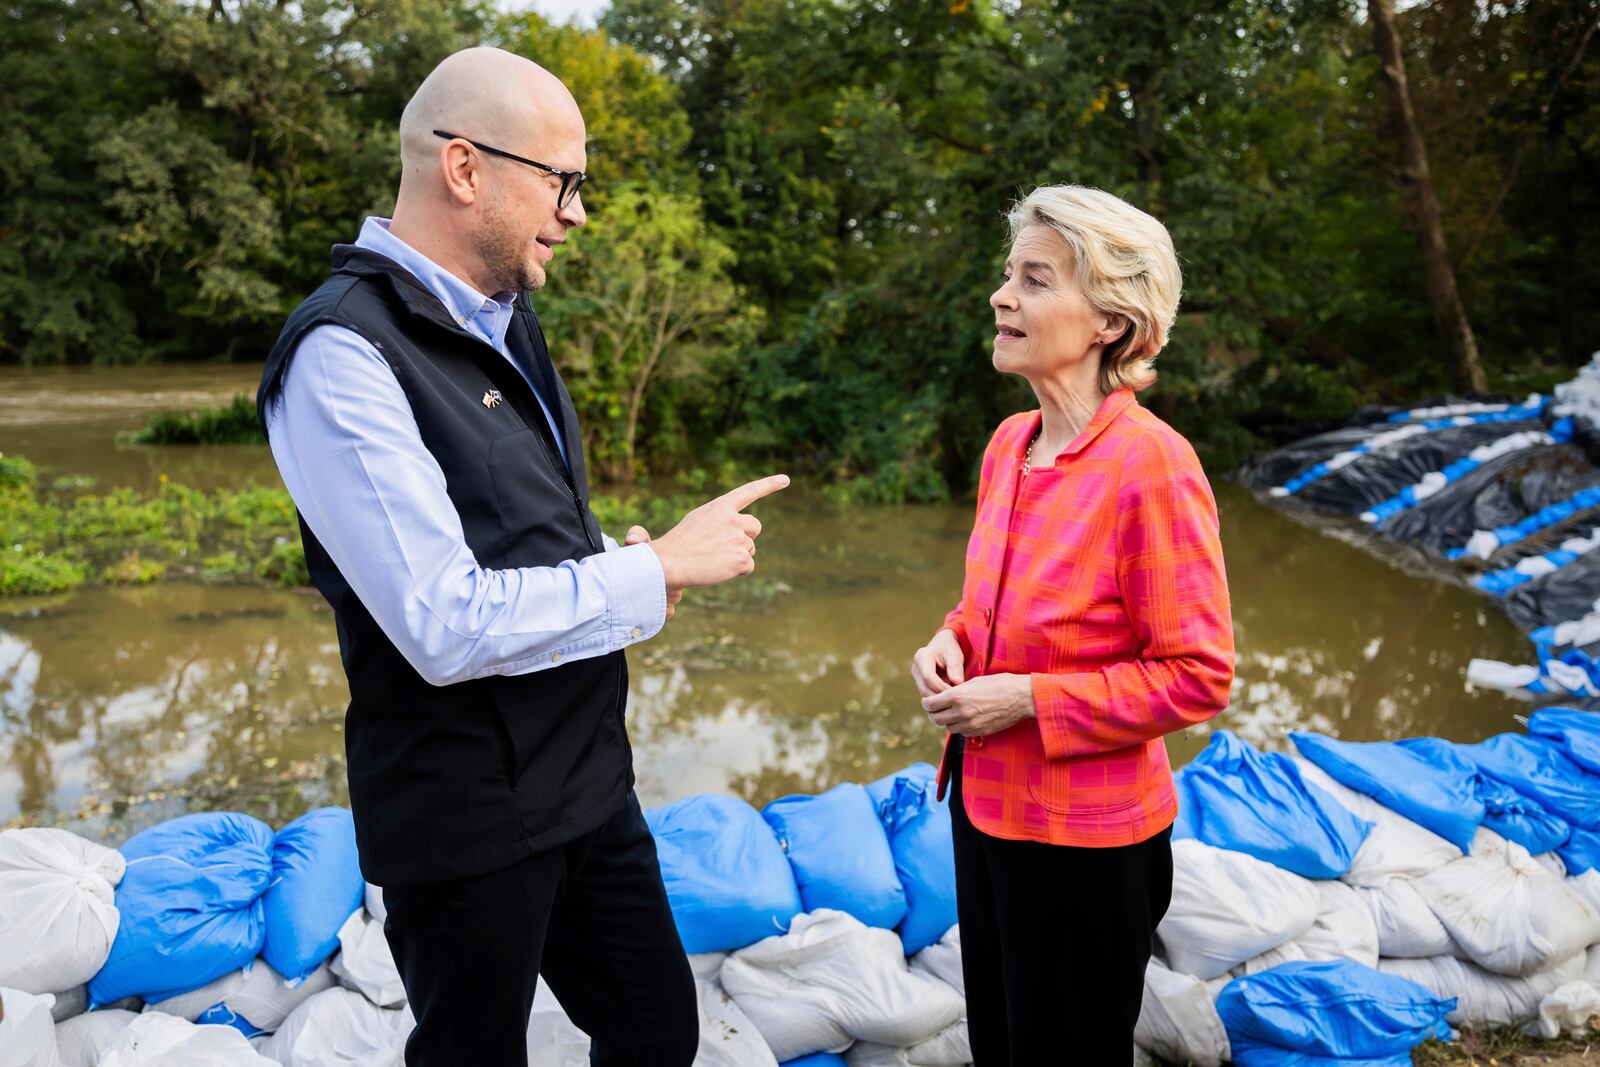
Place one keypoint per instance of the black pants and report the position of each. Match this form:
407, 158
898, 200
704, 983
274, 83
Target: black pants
590, 916
1054, 943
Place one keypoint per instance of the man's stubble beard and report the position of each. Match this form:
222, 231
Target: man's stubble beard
503, 252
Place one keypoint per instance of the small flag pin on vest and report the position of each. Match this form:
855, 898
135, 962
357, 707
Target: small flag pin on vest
492, 398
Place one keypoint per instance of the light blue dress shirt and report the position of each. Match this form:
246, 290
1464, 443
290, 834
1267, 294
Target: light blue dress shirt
350, 454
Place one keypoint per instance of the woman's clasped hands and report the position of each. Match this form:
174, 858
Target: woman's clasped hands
976, 708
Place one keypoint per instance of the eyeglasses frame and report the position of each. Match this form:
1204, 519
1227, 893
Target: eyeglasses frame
571, 180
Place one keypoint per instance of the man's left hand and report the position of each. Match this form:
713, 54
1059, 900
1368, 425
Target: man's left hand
983, 705
638, 535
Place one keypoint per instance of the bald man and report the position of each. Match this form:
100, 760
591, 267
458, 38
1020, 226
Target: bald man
433, 454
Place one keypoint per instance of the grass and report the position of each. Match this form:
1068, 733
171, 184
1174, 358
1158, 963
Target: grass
233, 424
1508, 1048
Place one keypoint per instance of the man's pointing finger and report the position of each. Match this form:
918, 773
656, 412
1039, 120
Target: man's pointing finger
750, 492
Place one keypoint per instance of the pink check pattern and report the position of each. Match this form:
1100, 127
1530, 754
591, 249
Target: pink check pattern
1102, 577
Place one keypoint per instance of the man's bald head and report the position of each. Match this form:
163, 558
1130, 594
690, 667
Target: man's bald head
488, 95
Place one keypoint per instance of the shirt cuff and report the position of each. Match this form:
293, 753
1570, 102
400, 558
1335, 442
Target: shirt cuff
636, 593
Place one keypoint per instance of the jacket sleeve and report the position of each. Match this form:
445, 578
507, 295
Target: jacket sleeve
1175, 591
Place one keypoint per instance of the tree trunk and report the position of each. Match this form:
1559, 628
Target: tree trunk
1422, 207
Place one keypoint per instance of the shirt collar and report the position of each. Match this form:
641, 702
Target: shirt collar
460, 299
1109, 409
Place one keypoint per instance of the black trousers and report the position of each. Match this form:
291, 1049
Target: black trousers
1054, 943
590, 916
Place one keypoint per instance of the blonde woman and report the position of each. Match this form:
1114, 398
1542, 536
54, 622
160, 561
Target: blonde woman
1094, 620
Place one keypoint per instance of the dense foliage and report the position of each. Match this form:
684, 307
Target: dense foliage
804, 199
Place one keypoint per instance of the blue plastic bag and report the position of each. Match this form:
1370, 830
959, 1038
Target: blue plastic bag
1441, 798
921, 839
1313, 1013
816, 1059
316, 884
1242, 800
881, 790
840, 854
1580, 851
1539, 768
191, 906
1577, 732
728, 880
1507, 812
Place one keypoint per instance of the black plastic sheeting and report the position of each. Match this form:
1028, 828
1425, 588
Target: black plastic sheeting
1568, 593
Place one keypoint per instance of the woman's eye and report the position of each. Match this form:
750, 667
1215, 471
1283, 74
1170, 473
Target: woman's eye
1035, 282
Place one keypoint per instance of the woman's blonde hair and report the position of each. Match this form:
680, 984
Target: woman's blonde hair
1124, 264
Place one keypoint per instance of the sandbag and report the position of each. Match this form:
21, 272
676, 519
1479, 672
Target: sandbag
950, 1047
1337, 1010
920, 839
372, 896
1178, 1019
1580, 852
365, 962
341, 1028
71, 1002
839, 853
191, 906
1395, 846
1407, 927
27, 1033
1227, 907
1540, 769
1344, 930
1440, 798
316, 884
882, 789
1236, 798
727, 1037
1484, 998
1568, 1009
832, 980
942, 960
83, 1039
253, 1000
727, 878
553, 1039
1507, 812
161, 1040
817, 1059
58, 913
1509, 915
1577, 732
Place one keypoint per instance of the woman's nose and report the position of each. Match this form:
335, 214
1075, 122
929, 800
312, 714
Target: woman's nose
1001, 297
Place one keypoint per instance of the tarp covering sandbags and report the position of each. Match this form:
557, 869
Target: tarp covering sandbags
191, 907
839, 853
1233, 797
58, 913
726, 876
1300, 1014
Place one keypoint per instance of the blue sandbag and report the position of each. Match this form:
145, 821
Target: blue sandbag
920, 837
1507, 812
316, 884
1577, 732
881, 790
1539, 768
191, 906
816, 1059
1580, 851
1312, 1013
1443, 799
727, 878
1259, 804
840, 854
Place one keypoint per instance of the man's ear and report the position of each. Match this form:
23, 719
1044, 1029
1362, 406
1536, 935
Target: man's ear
462, 172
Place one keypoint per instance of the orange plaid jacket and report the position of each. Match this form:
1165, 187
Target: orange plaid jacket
1102, 577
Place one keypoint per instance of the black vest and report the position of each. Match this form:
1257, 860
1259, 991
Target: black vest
457, 780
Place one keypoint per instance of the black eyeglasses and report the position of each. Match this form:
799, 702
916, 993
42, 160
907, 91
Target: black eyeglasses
571, 180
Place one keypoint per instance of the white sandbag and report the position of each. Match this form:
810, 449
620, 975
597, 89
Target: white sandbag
1407, 927
1591, 966
1484, 998
1344, 930
553, 1039
950, 1047
831, 980
1587, 885
27, 1033
1141, 1058
1552, 863
727, 1036
1511, 916
1227, 907
1178, 1019
942, 960
58, 912
255, 998
72, 1002
1396, 846
373, 898
161, 1040
1566, 1011
704, 965
83, 1039
365, 962
339, 1027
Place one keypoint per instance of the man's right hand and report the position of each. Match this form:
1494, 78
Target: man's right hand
715, 542
939, 664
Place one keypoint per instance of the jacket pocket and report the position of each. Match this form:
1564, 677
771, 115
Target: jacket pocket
1093, 784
